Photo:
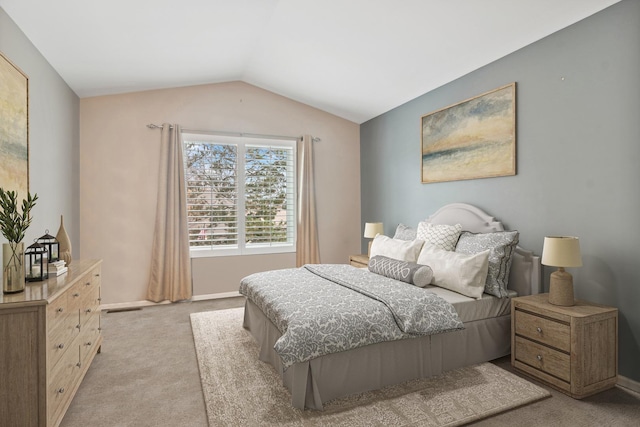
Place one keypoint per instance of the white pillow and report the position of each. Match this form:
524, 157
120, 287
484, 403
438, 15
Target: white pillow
455, 271
442, 235
404, 250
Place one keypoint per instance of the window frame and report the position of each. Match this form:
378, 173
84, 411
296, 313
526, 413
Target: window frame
242, 142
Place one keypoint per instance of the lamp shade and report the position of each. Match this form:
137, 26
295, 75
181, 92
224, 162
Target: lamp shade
561, 251
372, 229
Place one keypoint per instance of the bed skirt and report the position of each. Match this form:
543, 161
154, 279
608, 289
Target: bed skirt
375, 366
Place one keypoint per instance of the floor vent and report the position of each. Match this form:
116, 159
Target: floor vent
123, 309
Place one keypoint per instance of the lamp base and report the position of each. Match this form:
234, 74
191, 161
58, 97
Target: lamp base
561, 288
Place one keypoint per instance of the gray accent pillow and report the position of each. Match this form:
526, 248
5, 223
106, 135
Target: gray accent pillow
404, 232
501, 245
408, 272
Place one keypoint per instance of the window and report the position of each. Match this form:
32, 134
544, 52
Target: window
240, 194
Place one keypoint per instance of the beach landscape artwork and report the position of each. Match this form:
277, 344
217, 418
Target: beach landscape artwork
14, 129
473, 139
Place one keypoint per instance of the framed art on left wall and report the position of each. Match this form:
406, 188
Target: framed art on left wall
14, 128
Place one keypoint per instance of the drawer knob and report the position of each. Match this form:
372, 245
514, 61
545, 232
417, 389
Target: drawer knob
88, 310
88, 284
79, 364
76, 295
539, 329
61, 346
88, 343
97, 275
61, 390
78, 326
60, 310
539, 357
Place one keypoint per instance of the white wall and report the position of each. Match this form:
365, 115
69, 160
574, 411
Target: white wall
119, 166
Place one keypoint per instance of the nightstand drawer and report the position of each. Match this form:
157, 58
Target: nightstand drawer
543, 358
360, 261
549, 332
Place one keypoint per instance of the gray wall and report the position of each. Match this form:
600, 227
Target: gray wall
578, 157
53, 138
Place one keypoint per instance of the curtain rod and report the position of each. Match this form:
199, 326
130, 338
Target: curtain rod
222, 133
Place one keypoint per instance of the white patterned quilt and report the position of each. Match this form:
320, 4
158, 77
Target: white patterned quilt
327, 308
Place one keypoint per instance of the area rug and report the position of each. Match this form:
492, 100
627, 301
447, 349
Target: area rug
240, 390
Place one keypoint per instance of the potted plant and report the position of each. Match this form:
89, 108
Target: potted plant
13, 226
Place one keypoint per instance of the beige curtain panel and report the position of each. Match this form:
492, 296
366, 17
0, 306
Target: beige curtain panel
307, 250
170, 277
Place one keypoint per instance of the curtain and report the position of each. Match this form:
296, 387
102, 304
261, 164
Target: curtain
170, 277
307, 251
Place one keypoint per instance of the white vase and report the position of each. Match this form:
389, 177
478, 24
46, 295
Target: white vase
64, 242
13, 267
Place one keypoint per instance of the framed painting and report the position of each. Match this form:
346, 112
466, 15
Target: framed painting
14, 128
472, 139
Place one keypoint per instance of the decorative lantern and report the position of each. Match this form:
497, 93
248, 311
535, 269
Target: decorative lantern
52, 246
36, 263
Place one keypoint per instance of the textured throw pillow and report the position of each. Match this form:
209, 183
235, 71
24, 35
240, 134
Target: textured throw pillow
404, 232
408, 272
501, 245
396, 249
443, 236
465, 274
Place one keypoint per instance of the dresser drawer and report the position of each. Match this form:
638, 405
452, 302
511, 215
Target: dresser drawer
60, 341
62, 379
90, 337
546, 331
546, 359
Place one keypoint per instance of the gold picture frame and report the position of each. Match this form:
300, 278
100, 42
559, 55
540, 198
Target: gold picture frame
14, 128
475, 138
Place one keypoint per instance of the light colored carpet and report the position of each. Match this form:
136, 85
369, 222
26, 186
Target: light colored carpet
239, 390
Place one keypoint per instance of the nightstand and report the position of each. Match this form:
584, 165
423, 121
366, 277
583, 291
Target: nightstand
361, 261
572, 349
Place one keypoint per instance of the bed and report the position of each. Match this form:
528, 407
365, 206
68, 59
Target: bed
486, 333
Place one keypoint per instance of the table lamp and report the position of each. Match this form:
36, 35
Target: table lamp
371, 230
561, 252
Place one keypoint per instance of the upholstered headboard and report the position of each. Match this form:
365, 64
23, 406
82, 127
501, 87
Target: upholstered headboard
525, 275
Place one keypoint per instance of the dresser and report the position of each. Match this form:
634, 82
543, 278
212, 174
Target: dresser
49, 335
572, 349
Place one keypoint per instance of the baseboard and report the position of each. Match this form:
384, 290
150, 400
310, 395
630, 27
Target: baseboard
131, 304
629, 383
138, 304
215, 296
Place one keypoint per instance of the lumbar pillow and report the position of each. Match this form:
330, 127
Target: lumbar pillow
404, 232
465, 274
501, 245
396, 249
408, 272
442, 235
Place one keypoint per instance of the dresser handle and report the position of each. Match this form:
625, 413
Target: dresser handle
76, 295
88, 284
88, 310
61, 390
97, 274
60, 346
78, 326
539, 329
539, 357
79, 364
88, 343
60, 310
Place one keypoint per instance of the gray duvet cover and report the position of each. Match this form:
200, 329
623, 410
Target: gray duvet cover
324, 309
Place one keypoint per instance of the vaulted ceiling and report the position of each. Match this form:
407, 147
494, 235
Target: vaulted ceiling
356, 59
